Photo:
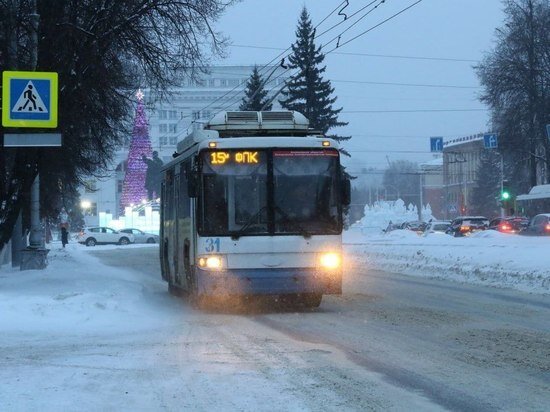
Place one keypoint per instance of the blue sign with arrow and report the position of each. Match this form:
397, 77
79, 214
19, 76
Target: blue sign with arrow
436, 144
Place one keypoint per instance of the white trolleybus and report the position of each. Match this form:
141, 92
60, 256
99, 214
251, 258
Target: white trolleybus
252, 205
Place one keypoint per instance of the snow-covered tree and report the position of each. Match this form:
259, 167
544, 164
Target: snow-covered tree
515, 76
307, 92
255, 95
99, 49
486, 193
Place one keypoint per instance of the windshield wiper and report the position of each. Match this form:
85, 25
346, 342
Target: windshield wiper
288, 219
249, 222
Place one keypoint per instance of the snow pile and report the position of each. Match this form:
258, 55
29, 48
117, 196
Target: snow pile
378, 216
75, 292
488, 257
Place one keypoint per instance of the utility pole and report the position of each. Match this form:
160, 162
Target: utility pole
421, 188
17, 234
34, 256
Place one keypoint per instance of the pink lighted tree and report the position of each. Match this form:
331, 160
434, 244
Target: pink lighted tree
133, 187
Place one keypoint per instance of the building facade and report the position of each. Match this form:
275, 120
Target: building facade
461, 161
433, 186
186, 108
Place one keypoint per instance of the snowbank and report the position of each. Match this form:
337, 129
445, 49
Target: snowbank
378, 216
488, 257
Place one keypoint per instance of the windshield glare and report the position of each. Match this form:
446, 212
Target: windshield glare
235, 195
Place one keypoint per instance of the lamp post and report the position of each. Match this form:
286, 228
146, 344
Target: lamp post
85, 205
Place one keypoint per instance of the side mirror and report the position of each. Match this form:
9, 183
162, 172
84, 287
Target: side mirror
346, 192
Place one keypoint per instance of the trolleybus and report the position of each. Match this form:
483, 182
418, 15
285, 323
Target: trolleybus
252, 205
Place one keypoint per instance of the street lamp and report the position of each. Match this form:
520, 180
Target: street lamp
85, 205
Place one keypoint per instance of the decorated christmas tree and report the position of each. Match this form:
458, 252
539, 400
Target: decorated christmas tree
133, 188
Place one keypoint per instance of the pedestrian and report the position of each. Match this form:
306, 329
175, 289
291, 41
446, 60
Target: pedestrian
64, 236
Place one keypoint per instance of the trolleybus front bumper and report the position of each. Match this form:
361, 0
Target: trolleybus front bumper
268, 281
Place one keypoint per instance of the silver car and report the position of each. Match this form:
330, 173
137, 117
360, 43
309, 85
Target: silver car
140, 236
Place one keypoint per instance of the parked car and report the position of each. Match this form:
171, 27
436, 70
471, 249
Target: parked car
92, 236
538, 226
415, 226
466, 225
141, 236
511, 224
437, 226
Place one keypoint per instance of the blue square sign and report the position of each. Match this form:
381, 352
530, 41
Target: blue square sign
29, 99
490, 141
436, 144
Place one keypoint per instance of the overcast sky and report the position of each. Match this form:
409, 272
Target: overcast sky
441, 30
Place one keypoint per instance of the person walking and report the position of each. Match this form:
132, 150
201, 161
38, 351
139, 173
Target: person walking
64, 236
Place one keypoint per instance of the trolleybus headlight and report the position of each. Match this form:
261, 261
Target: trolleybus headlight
210, 262
330, 260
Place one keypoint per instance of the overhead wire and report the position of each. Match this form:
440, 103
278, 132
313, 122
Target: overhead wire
259, 71
315, 36
330, 51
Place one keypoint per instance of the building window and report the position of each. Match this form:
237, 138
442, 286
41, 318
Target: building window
163, 128
163, 140
173, 140
223, 82
196, 115
211, 83
172, 128
119, 185
172, 114
162, 114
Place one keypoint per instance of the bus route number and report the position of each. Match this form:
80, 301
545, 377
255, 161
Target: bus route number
212, 244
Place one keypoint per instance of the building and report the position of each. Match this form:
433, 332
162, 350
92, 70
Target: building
186, 108
433, 186
461, 160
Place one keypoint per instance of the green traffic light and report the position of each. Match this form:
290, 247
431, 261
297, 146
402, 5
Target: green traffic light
505, 195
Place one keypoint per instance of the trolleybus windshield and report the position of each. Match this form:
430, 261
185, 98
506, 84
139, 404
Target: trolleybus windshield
269, 191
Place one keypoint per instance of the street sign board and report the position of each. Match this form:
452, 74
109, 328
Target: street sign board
436, 144
452, 208
32, 140
490, 141
29, 99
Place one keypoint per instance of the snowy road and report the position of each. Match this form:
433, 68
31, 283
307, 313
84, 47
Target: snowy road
391, 342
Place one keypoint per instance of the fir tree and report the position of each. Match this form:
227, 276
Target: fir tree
255, 94
133, 187
485, 194
307, 92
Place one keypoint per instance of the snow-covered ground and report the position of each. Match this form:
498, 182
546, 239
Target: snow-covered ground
488, 257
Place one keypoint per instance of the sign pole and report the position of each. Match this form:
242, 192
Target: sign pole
35, 256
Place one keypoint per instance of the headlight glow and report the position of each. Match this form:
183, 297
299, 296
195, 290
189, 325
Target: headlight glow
330, 260
210, 262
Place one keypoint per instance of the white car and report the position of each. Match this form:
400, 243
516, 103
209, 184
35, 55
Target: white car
92, 236
438, 226
141, 236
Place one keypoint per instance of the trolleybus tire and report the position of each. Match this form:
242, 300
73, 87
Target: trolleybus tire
312, 300
174, 290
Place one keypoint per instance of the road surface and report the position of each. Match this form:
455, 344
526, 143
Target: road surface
390, 342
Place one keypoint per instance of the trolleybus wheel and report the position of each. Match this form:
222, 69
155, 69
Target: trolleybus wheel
312, 300
174, 290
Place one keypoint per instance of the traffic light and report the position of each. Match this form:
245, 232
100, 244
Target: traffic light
505, 193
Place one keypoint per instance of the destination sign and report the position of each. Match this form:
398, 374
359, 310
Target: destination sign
246, 157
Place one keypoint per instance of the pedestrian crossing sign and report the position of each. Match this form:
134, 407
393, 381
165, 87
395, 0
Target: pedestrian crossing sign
29, 99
